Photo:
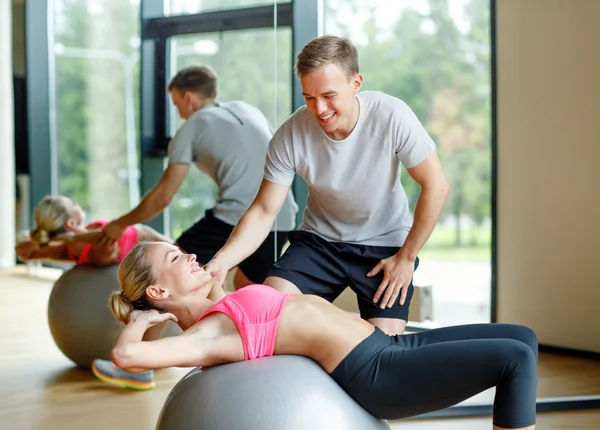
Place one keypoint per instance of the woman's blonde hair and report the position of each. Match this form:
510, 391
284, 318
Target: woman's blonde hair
135, 276
50, 217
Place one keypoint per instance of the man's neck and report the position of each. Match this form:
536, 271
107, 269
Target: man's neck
204, 102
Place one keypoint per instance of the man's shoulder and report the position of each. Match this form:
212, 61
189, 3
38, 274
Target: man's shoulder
236, 104
386, 111
300, 115
201, 116
240, 109
378, 99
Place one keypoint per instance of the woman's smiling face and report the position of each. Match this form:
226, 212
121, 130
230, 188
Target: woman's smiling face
175, 271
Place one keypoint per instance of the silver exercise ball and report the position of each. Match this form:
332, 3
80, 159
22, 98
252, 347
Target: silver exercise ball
284, 392
80, 319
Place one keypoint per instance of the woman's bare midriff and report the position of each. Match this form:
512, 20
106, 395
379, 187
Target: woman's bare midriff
315, 328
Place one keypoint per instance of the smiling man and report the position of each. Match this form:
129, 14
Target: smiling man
357, 231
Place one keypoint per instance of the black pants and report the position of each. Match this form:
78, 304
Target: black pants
396, 377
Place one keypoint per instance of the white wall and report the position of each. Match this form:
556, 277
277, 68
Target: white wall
548, 116
7, 165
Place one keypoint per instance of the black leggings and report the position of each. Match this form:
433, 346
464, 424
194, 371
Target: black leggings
396, 377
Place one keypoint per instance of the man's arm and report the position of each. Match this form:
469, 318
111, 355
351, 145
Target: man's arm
399, 269
434, 191
153, 203
251, 230
159, 197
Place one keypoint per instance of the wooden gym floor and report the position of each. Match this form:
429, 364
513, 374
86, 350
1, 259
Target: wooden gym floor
41, 389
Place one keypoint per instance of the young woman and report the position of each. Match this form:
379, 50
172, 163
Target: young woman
391, 377
60, 234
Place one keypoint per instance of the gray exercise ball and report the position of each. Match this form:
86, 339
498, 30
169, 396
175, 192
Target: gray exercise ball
284, 392
80, 319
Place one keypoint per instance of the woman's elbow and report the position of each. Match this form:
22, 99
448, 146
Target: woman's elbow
118, 356
122, 357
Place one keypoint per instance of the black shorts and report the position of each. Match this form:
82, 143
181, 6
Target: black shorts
317, 266
208, 236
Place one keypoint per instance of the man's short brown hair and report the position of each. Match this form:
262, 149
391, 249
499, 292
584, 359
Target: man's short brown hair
326, 50
196, 79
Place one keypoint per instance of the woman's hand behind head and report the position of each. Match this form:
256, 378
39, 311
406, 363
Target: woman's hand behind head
151, 317
26, 249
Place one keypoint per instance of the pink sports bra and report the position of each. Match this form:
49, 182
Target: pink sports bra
256, 311
126, 243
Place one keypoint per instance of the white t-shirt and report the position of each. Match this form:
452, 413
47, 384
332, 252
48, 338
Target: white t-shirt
355, 192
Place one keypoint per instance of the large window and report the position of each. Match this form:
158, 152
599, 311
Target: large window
435, 55
253, 66
183, 7
95, 65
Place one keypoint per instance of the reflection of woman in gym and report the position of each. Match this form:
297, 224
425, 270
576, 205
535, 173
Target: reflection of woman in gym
60, 234
391, 377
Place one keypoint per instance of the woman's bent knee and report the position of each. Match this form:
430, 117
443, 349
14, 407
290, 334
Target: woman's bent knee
522, 334
528, 337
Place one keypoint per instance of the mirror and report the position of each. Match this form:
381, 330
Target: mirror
252, 64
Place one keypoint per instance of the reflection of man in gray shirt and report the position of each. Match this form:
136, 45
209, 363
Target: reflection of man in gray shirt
228, 142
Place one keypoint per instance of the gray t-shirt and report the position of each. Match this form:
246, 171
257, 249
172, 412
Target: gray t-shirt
228, 142
355, 193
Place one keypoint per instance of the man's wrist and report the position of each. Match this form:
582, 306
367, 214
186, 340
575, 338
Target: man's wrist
222, 260
122, 222
405, 254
